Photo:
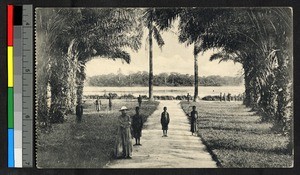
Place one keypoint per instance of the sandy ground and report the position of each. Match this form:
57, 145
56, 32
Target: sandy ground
179, 150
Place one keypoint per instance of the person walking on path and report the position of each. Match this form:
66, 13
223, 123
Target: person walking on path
123, 148
165, 120
194, 119
79, 112
140, 100
137, 125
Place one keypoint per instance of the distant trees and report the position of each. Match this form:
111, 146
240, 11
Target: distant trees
162, 79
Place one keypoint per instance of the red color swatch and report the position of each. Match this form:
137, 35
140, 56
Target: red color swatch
10, 25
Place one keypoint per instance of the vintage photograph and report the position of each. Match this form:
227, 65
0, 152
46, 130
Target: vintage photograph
173, 87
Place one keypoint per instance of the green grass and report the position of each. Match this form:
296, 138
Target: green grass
88, 144
236, 138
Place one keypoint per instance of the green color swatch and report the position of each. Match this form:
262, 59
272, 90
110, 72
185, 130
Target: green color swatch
10, 96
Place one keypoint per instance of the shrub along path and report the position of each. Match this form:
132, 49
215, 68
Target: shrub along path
179, 150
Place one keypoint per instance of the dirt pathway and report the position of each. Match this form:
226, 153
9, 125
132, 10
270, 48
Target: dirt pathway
179, 150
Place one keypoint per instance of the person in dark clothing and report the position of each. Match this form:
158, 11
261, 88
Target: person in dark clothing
188, 97
97, 104
137, 125
109, 102
79, 112
228, 97
140, 100
194, 118
220, 96
165, 120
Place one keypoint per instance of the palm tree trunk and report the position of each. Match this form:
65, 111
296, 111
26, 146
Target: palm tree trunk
42, 79
196, 76
247, 98
80, 78
59, 89
150, 64
42, 105
284, 102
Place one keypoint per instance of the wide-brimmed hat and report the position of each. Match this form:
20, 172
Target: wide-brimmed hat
123, 108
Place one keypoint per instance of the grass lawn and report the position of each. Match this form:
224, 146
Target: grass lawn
236, 138
89, 144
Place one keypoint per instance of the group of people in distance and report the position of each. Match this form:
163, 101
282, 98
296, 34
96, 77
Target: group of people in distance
131, 127
229, 97
98, 104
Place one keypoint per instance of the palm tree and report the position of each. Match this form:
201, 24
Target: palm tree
257, 38
192, 27
261, 41
149, 19
97, 32
111, 30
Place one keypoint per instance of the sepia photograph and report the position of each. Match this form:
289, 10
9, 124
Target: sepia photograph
180, 87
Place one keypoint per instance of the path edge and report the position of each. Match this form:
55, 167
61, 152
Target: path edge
208, 149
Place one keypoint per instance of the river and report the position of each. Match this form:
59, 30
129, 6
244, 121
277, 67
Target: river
159, 90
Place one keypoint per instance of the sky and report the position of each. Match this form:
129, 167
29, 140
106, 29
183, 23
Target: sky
173, 57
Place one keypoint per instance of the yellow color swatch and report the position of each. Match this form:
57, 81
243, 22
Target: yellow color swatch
10, 66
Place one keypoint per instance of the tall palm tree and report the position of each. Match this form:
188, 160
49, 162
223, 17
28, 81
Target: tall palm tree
192, 28
192, 25
149, 19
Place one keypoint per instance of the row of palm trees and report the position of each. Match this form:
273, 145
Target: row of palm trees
66, 39
258, 38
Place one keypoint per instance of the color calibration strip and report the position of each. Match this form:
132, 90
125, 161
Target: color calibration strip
20, 87
10, 90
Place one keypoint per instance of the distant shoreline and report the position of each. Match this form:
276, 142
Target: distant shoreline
162, 90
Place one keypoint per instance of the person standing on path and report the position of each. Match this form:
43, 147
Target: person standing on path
79, 112
137, 125
165, 120
123, 147
194, 119
140, 100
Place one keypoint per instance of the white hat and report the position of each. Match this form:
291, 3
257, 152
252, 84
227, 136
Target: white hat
123, 108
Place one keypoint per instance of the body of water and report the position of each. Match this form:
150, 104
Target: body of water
159, 90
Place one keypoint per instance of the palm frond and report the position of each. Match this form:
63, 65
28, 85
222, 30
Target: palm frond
158, 38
